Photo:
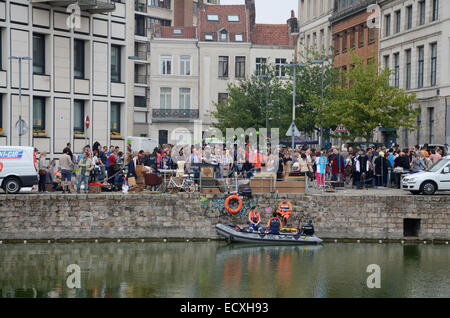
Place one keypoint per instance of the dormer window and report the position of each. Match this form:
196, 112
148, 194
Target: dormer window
177, 31
209, 37
238, 38
233, 18
213, 17
223, 35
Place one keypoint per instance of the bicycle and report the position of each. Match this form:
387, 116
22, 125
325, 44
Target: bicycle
188, 185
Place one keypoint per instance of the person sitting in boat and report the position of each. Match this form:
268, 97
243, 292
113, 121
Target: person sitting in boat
274, 224
285, 210
253, 221
308, 229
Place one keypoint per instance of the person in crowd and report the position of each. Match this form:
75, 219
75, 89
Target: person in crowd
337, 166
381, 169
85, 167
308, 229
254, 220
361, 169
418, 162
274, 224
67, 165
401, 165
131, 168
437, 156
70, 153
321, 162
43, 169
303, 165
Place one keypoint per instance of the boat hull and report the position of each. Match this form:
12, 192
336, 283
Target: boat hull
233, 235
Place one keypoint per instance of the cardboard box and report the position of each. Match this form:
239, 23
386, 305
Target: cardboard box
291, 186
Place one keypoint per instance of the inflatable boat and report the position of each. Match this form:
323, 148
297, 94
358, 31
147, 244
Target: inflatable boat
234, 234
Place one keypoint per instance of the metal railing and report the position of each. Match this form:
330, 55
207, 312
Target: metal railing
141, 79
175, 113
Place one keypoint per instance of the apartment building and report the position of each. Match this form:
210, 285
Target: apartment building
195, 65
77, 69
415, 45
314, 26
149, 17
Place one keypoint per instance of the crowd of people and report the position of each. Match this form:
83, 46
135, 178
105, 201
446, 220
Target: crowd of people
377, 166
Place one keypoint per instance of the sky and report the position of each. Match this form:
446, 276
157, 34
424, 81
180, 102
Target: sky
270, 11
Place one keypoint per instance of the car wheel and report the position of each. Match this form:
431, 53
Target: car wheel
428, 188
12, 185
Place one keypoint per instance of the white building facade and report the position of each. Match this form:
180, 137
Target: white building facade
77, 70
415, 45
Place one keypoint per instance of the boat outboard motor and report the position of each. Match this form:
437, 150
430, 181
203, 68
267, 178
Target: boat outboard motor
308, 229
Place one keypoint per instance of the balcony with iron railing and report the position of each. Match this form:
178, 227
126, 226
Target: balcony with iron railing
175, 114
92, 6
141, 79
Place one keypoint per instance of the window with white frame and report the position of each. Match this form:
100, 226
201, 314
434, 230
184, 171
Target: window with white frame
165, 98
209, 37
38, 114
78, 116
185, 65
238, 37
223, 35
280, 67
184, 98
212, 17
433, 47
233, 18
166, 65
261, 65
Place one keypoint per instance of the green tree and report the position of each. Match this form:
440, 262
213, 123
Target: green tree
365, 101
250, 99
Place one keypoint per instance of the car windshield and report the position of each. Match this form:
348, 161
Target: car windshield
438, 165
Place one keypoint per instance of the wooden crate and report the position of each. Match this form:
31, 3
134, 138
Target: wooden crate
260, 185
291, 186
210, 191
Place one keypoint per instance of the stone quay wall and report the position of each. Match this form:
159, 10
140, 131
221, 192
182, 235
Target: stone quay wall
193, 216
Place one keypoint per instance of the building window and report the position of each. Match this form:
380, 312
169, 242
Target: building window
353, 38
79, 58
420, 67
337, 46
422, 12
222, 98
166, 65
223, 36
223, 66
140, 101
78, 116
233, 18
372, 35
139, 25
185, 65
419, 124
387, 25
408, 69
433, 63
398, 21
344, 42
209, 37
185, 98
386, 62
38, 54
165, 98
396, 70
38, 113
431, 125
238, 37
116, 63
240, 67
115, 118
280, 67
361, 36
435, 10
260, 66
409, 17
322, 39
163, 137
213, 17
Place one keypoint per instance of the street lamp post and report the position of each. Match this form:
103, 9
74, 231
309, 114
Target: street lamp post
294, 66
20, 59
321, 92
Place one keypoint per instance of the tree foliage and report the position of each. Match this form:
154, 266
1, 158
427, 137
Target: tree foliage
365, 101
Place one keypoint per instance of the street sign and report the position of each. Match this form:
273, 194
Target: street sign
22, 129
87, 121
341, 129
293, 131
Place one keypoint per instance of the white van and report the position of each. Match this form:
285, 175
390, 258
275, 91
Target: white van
18, 168
436, 178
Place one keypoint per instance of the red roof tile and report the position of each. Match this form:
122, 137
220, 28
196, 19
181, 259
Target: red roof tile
270, 34
178, 32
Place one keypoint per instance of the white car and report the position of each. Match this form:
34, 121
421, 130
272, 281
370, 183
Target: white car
436, 178
18, 168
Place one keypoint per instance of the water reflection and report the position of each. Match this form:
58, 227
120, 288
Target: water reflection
220, 270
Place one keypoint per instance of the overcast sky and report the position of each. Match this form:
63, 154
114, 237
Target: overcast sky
270, 11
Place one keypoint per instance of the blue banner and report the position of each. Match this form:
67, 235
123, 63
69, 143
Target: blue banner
11, 154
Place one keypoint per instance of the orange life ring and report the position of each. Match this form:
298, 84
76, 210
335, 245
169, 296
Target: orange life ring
227, 204
1, 166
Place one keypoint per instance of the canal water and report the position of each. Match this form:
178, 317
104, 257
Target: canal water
214, 269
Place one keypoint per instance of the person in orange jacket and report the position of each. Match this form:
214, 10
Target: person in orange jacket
285, 210
254, 221
274, 224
